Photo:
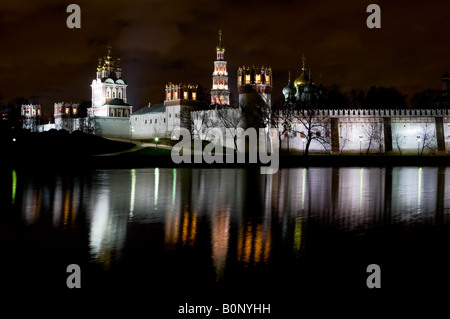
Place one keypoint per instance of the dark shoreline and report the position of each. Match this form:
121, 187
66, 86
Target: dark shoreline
46, 162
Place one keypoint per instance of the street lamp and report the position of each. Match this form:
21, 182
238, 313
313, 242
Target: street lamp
156, 143
360, 140
418, 143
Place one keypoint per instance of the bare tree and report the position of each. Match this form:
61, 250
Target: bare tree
231, 119
89, 126
198, 122
374, 134
399, 141
67, 123
344, 138
317, 127
256, 112
427, 138
282, 120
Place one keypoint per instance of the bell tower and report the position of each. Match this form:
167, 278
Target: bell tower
220, 93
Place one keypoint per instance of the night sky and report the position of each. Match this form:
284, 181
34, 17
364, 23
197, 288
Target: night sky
161, 41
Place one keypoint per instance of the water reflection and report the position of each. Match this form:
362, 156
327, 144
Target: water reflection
234, 215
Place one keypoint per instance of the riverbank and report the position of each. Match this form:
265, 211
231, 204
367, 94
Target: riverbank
78, 151
161, 158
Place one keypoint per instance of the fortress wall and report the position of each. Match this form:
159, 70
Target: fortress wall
118, 127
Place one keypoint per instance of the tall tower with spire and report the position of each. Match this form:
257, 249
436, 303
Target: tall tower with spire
220, 93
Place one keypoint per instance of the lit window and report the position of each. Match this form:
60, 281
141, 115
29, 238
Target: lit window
240, 79
268, 79
185, 95
258, 78
168, 95
74, 111
175, 95
194, 96
247, 79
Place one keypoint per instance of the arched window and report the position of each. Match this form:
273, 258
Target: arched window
108, 93
119, 93
111, 112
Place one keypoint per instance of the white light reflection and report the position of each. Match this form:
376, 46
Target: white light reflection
156, 187
361, 183
419, 188
99, 223
133, 192
303, 187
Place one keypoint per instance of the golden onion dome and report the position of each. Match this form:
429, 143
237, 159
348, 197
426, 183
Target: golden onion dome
301, 80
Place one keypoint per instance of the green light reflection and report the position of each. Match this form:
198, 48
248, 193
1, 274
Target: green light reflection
174, 185
14, 186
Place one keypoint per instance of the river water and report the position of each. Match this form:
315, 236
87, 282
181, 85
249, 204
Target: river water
155, 239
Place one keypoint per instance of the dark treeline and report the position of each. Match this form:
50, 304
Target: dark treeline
376, 97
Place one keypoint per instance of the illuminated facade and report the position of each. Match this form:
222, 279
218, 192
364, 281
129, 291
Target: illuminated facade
253, 84
31, 113
220, 93
179, 99
109, 90
64, 112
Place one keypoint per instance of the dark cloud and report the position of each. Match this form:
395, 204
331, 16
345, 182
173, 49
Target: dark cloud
161, 41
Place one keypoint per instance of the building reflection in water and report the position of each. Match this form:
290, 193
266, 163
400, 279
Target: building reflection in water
220, 237
246, 215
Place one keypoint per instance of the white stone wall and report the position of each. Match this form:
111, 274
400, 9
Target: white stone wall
113, 127
173, 118
149, 125
355, 129
406, 127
